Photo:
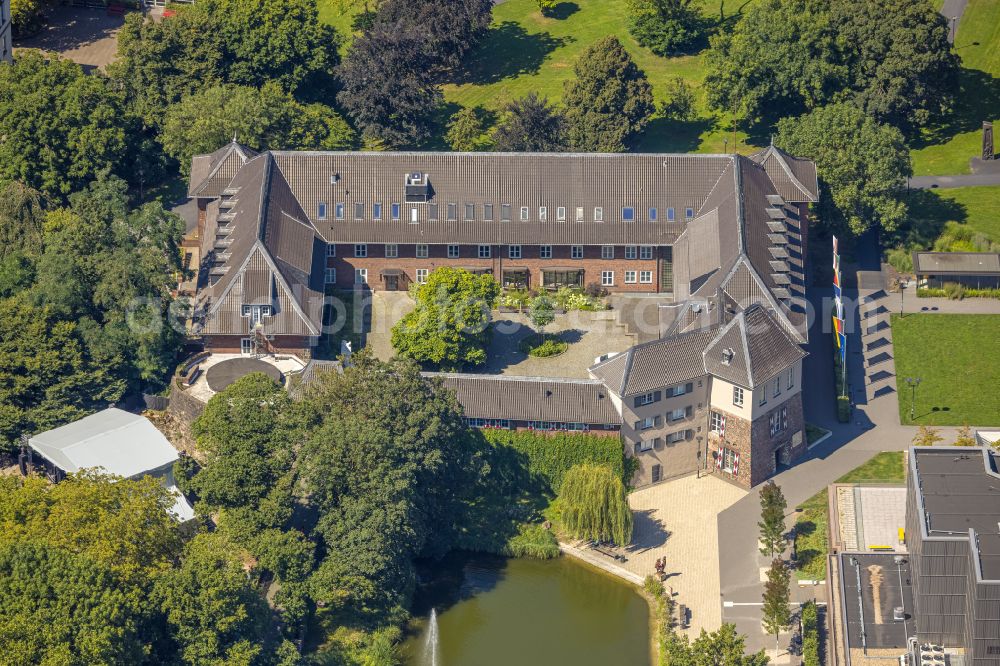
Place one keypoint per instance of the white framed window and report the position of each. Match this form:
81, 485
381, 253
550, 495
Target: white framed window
790, 382
607, 252
737, 396
484, 251
396, 209
607, 278
452, 212
470, 211
432, 212
561, 213
505, 212
360, 250
631, 251
330, 276
543, 213
646, 252
524, 213
689, 213
645, 399
488, 212
676, 414
377, 211
777, 421
422, 251
453, 251
422, 275
360, 276
246, 345
679, 390
628, 213
359, 211
630, 277
576, 251
776, 387
391, 250
579, 213
598, 214
514, 251
331, 250
544, 251
763, 396
728, 460
646, 423
717, 422
646, 277
413, 215
321, 210
675, 437
657, 473
256, 313
671, 215
653, 214
644, 445
338, 210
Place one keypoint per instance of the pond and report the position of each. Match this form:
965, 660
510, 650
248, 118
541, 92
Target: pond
491, 611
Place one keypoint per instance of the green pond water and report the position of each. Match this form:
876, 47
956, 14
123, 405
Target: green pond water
503, 612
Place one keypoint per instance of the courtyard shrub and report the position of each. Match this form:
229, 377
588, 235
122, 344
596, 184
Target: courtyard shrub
538, 348
533, 540
550, 455
810, 635
568, 298
954, 291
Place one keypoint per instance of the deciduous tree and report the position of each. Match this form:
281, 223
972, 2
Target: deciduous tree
772, 519
927, 436
450, 326
541, 312
775, 614
593, 505
862, 164
448, 28
467, 131
666, 27
530, 125
609, 102
723, 647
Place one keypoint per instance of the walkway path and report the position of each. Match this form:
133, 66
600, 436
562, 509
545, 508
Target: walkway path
948, 182
953, 9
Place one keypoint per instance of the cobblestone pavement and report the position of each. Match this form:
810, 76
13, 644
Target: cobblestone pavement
677, 520
388, 307
85, 36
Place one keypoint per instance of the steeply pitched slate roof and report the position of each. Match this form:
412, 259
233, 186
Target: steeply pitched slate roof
531, 398
756, 346
210, 174
794, 178
656, 364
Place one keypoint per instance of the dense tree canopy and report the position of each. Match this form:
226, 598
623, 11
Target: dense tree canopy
594, 505
448, 29
57, 607
529, 125
609, 102
723, 647
450, 327
666, 27
786, 57
62, 127
862, 164
225, 41
467, 131
261, 119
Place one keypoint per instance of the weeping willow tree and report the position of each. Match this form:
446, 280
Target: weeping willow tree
594, 505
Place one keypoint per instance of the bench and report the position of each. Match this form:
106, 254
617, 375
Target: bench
682, 616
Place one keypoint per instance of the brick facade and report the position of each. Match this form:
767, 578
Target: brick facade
499, 264
759, 451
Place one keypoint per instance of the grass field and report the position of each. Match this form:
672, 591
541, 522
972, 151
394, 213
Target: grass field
811, 539
978, 43
957, 358
528, 52
976, 207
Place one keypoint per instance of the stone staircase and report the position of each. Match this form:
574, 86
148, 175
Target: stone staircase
876, 335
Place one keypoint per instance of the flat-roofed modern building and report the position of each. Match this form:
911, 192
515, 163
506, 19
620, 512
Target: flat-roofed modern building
953, 535
977, 270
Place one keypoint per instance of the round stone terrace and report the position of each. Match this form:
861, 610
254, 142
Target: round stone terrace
220, 370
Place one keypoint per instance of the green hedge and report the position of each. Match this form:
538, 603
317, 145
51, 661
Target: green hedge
550, 456
810, 635
956, 292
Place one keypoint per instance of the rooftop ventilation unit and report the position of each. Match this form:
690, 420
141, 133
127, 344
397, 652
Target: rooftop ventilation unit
418, 187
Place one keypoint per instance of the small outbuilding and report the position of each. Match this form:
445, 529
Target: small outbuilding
116, 442
975, 270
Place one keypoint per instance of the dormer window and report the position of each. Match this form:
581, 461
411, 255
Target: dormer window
727, 356
418, 187
256, 313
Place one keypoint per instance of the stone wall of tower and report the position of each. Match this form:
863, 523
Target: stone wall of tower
6, 39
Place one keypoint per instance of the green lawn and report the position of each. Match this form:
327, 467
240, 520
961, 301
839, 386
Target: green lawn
811, 538
957, 358
976, 207
527, 52
948, 150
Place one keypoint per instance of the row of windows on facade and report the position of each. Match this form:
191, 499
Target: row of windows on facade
607, 277
673, 416
777, 421
628, 213
672, 392
422, 250
774, 385
673, 438
507, 424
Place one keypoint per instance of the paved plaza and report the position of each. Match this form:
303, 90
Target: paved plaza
85, 36
677, 520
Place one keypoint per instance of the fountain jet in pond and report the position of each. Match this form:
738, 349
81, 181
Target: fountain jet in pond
431, 644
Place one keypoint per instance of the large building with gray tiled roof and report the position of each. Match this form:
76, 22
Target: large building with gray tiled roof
720, 240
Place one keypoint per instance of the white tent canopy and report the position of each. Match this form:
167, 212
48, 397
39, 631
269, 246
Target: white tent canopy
116, 442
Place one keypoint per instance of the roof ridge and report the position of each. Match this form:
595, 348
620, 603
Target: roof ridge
780, 155
103, 432
473, 375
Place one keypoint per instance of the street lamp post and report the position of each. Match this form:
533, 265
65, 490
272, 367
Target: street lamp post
913, 383
902, 288
954, 23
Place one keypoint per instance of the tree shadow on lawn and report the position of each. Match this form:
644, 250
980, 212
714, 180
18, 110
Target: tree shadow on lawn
929, 212
978, 100
563, 10
508, 51
666, 135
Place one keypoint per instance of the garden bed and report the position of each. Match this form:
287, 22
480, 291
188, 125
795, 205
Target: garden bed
543, 346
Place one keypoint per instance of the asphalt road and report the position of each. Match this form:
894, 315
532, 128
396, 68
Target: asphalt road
946, 182
952, 9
